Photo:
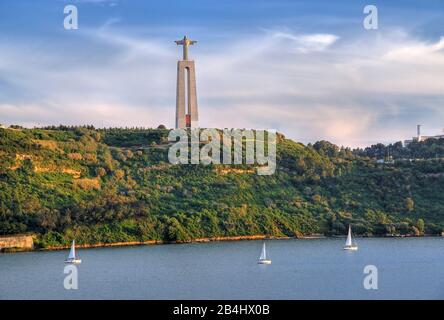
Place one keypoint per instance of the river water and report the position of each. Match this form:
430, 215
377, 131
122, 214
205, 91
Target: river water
410, 268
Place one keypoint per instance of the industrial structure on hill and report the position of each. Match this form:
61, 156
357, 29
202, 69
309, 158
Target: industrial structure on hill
420, 137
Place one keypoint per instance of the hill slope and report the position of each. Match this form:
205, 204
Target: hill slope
104, 186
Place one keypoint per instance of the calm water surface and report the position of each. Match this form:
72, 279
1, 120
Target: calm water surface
301, 269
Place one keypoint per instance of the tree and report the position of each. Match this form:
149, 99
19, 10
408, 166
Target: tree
326, 148
420, 225
101, 171
119, 174
409, 204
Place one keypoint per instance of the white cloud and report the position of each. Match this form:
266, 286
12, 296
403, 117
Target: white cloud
309, 43
418, 53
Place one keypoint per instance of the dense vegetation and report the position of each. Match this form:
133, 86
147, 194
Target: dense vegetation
432, 148
117, 185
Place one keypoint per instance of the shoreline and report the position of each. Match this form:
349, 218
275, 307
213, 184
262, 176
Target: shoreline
161, 242
200, 240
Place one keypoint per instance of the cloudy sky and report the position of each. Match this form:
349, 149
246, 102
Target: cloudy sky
306, 68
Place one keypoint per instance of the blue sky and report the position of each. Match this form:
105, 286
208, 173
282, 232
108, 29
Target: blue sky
306, 68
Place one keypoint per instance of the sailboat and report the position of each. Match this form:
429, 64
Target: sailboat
263, 258
72, 258
349, 244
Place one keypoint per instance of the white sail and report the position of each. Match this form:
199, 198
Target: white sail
72, 253
263, 253
349, 241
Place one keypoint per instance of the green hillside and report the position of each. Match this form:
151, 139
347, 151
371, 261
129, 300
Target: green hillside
117, 185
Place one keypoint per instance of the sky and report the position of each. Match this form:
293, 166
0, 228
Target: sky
308, 69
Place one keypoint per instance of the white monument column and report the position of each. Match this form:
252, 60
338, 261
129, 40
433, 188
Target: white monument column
186, 102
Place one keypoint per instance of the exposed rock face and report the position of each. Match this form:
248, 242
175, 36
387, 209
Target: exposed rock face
20, 242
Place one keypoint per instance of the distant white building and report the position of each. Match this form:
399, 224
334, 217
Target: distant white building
420, 138
387, 160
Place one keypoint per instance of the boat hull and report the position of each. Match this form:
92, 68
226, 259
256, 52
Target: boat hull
73, 261
265, 261
351, 248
